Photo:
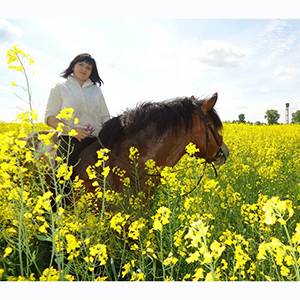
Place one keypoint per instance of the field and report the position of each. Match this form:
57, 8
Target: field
243, 225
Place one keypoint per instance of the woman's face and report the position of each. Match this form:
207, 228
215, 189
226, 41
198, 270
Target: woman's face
82, 71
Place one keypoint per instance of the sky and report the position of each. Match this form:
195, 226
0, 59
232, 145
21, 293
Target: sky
252, 63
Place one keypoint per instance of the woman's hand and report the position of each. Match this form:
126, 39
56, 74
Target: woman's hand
82, 134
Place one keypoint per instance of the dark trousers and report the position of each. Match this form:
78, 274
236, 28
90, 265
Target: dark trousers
68, 149
75, 147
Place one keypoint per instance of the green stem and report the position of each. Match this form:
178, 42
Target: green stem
27, 82
293, 253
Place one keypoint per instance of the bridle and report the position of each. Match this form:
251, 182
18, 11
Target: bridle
208, 127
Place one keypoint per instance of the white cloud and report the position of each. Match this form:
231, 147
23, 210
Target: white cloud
220, 55
264, 90
8, 33
285, 74
5, 89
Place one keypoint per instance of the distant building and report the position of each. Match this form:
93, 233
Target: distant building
287, 121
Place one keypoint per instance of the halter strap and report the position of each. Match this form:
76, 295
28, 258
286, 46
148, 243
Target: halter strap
209, 127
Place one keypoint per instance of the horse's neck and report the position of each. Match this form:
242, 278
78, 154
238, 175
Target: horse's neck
167, 151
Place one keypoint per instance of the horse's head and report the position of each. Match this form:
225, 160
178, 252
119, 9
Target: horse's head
213, 149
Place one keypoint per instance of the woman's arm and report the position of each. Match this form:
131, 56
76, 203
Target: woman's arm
81, 133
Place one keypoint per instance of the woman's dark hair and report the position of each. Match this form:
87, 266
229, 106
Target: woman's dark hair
88, 59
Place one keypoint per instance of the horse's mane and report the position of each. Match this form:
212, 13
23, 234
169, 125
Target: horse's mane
163, 115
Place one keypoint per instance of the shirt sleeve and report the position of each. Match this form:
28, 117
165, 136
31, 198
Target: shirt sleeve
103, 110
54, 104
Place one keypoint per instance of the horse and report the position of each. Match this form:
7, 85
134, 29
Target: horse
160, 131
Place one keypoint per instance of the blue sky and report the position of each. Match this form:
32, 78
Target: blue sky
253, 64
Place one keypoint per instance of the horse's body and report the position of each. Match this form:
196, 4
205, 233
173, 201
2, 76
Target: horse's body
160, 131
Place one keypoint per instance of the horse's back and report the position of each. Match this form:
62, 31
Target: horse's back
33, 141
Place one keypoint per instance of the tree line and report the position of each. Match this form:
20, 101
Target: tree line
272, 117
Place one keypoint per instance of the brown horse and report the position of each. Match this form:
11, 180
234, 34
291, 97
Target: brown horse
160, 131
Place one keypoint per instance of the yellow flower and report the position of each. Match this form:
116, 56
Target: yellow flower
17, 68
296, 235
34, 115
57, 198
66, 113
127, 268
100, 252
13, 83
118, 221
46, 138
1, 273
72, 244
161, 218
7, 251
105, 171
170, 260
138, 276
44, 227
101, 278
209, 277
284, 271
133, 153
217, 249
73, 132
28, 215
53, 275
50, 275
225, 264
134, 229
91, 172
60, 210
191, 149
196, 231
193, 257
64, 171
60, 127
199, 274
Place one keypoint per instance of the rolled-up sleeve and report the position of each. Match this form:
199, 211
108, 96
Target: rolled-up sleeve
54, 104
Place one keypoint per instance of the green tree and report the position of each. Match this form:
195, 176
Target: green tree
272, 116
296, 117
242, 118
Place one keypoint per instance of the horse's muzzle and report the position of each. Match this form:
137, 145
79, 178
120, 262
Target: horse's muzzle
222, 155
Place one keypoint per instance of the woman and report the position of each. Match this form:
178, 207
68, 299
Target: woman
80, 92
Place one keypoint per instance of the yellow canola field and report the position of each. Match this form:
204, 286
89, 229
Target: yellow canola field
242, 225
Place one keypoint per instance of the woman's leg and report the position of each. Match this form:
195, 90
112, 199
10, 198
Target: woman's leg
69, 149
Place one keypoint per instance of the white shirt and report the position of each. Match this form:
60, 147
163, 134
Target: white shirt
86, 100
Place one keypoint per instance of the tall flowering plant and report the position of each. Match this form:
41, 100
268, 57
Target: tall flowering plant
19, 61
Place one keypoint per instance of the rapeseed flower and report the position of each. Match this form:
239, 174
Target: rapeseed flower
170, 260
66, 113
118, 221
191, 149
161, 218
7, 251
53, 275
134, 229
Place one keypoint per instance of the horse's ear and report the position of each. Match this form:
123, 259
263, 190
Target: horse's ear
209, 103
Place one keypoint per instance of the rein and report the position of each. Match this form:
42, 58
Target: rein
207, 128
